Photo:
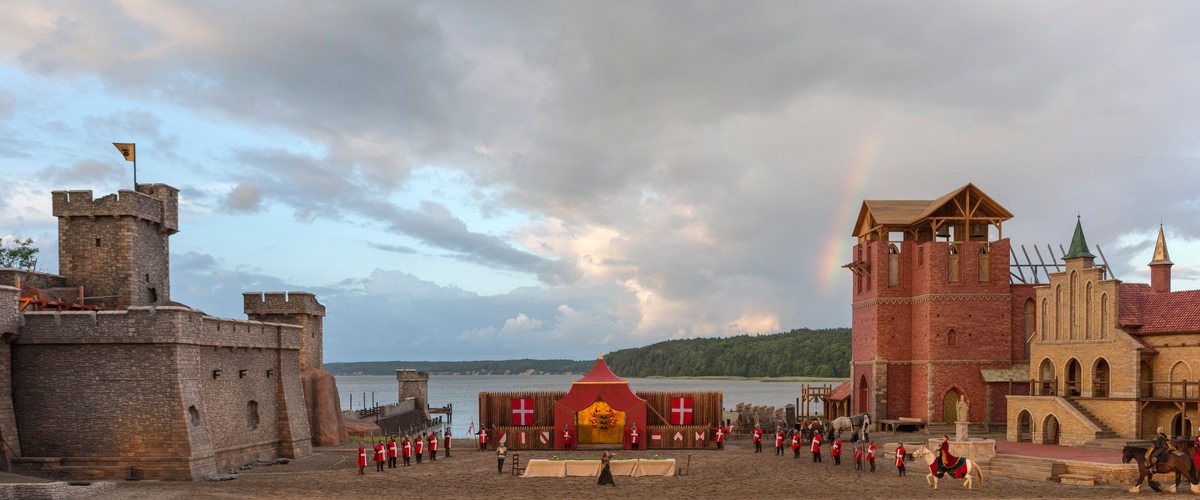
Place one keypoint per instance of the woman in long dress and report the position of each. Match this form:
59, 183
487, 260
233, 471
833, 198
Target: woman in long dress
605, 471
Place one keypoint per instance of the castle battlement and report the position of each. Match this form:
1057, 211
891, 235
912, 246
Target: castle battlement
141, 325
272, 303
157, 203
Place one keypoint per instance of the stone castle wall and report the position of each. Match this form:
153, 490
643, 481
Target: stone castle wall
144, 380
10, 323
414, 384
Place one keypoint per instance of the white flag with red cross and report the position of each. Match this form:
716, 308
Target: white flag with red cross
681, 411
522, 411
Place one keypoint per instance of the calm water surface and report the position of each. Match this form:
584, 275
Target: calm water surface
462, 391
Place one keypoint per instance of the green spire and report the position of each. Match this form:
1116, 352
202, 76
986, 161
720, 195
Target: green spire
1079, 246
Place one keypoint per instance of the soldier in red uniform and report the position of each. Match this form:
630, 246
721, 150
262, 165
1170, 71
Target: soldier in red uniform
871, 455
858, 457
433, 446
778, 441
900, 452
796, 445
391, 452
816, 447
379, 453
419, 445
362, 460
633, 436
406, 451
566, 437
483, 437
836, 451
757, 439
720, 438
447, 436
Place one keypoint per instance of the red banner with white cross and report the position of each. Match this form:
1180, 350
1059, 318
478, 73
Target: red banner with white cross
681, 411
522, 411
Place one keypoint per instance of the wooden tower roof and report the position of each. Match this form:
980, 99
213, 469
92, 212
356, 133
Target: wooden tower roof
962, 207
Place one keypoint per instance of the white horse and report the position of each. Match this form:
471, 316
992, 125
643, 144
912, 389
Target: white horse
856, 424
930, 457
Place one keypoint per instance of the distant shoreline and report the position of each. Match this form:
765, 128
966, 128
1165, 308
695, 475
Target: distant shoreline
831, 380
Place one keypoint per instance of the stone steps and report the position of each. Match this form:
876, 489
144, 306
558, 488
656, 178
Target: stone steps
1115, 443
1027, 468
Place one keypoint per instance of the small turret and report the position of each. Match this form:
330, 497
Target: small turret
1160, 267
1079, 247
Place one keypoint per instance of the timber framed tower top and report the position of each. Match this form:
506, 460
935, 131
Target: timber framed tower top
962, 215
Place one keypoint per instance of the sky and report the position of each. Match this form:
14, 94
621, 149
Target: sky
461, 180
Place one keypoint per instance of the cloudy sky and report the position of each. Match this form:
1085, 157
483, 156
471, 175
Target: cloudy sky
559, 179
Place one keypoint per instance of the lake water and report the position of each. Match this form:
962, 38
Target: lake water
462, 391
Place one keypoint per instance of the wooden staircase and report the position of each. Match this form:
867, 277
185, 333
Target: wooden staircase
1027, 468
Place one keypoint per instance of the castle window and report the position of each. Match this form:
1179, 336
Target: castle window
1100, 379
951, 338
1071, 305
252, 415
1045, 318
147, 277
893, 265
1087, 312
920, 256
153, 295
97, 242
1103, 315
984, 263
1030, 320
193, 415
1058, 316
952, 272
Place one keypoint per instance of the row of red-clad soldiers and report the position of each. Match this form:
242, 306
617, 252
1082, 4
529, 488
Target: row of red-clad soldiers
392, 451
861, 453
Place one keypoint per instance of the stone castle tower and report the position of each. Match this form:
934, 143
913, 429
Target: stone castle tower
414, 384
935, 322
117, 246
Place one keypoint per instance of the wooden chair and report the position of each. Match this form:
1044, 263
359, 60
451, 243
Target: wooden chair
517, 468
683, 471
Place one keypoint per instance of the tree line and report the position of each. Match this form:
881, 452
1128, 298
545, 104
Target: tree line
798, 353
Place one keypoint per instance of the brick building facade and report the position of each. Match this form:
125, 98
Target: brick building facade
117, 380
1110, 359
935, 316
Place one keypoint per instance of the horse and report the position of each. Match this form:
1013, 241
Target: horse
931, 478
856, 424
1179, 464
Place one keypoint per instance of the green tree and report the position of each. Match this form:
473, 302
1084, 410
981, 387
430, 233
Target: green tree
20, 255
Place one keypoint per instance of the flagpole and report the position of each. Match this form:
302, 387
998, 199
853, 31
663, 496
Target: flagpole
135, 168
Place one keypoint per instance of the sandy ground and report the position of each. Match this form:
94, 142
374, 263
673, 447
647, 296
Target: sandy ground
736, 472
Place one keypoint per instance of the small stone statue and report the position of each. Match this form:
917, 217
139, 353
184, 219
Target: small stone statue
961, 409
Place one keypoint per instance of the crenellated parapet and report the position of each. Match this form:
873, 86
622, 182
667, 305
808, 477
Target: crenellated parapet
272, 303
157, 203
155, 325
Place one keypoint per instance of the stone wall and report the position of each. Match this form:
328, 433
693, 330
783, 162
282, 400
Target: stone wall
10, 321
144, 379
1074, 429
414, 384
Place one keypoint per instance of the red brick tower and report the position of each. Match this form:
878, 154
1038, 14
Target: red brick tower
935, 316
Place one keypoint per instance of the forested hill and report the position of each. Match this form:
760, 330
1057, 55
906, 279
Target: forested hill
798, 353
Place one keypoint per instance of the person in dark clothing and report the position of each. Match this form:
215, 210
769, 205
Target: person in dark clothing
606, 476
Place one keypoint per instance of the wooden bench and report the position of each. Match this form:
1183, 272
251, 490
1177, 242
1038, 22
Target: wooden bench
895, 425
1079, 479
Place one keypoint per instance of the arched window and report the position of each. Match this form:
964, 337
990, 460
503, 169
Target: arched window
1046, 384
1045, 317
893, 266
952, 272
252, 415
1087, 312
1103, 315
1058, 315
1071, 307
984, 263
951, 338
1030, 321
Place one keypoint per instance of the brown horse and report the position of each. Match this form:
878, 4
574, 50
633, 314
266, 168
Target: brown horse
1180, 465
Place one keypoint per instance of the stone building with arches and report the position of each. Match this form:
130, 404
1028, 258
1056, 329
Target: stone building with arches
936, 316
1110, 359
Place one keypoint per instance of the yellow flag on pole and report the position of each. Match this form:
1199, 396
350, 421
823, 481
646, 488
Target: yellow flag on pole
127, 149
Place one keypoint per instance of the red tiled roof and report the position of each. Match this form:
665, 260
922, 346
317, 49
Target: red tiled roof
1174, 312
1129, 304
841, 392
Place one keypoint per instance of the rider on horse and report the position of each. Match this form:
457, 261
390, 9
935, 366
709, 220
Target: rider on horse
1161, 445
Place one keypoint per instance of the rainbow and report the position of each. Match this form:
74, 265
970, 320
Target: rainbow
837, 246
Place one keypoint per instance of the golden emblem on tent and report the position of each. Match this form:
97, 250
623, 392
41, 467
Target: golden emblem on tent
600, 423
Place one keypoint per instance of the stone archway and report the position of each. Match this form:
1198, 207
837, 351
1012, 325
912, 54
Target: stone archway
1074, 387
1046, 386
1181, 427
950, 406
1024, 427
1100, 376
1050, 430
